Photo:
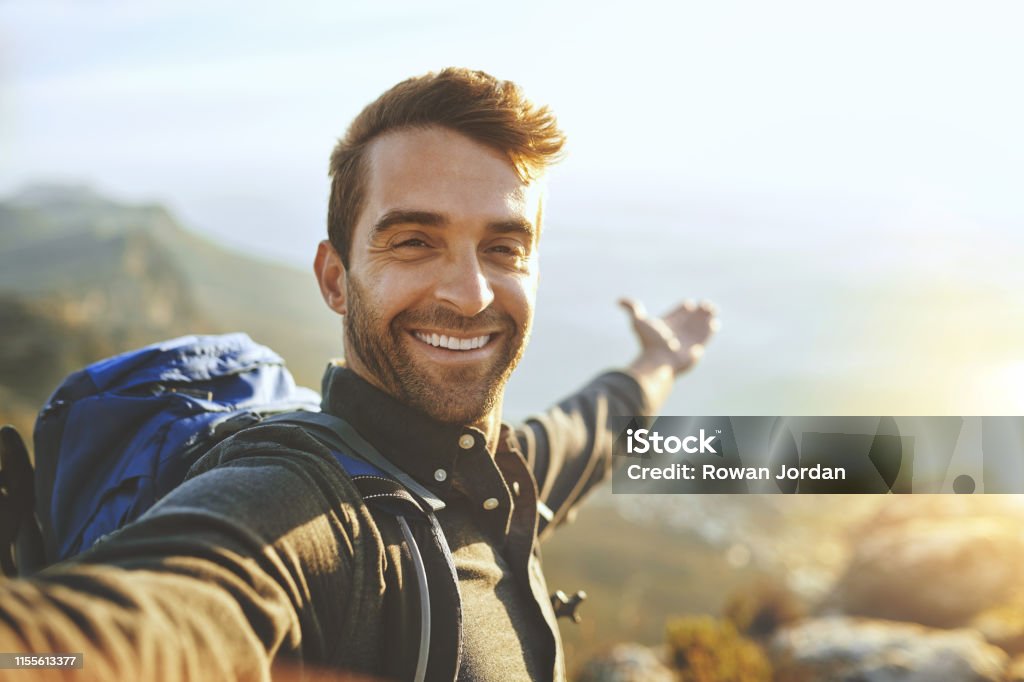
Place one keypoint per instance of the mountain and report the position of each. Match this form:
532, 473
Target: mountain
83, 276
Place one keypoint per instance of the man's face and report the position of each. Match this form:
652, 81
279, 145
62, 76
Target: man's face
442, 273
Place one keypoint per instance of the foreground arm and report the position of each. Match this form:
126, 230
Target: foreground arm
569, 447
254, 560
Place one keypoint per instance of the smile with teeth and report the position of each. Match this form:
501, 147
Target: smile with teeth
453, 342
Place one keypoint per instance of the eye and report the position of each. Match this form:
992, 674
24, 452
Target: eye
414, 243
513, 249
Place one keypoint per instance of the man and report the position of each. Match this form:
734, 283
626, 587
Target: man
268, 552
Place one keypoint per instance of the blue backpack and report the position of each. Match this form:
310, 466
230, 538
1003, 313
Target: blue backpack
120, 434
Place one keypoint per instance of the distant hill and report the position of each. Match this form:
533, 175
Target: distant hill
83, 276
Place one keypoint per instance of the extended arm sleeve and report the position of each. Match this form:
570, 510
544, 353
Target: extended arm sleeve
569, 447
256, 557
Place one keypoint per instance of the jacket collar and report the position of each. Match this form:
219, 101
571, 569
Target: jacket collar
418, 444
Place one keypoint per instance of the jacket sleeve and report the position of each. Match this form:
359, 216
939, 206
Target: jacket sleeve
569, 447
246, 562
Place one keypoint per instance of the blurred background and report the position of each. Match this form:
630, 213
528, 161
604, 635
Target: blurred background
843, 180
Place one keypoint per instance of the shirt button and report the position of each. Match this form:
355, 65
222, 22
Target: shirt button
515, 487
440, 475
466, 441
491, 503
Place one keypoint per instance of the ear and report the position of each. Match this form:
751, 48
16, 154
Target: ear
330, 274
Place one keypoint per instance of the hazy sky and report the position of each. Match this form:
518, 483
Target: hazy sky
214, 106
843, 178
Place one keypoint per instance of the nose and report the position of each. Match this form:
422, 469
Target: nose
463, 285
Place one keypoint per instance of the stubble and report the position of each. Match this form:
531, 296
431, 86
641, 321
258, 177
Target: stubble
457, 395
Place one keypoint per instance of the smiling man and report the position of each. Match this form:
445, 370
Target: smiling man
271, 552
434, 223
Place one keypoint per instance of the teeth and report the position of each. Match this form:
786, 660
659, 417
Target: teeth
452, 342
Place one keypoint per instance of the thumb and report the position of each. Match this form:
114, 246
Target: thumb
634, 308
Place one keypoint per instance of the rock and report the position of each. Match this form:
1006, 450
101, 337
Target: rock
935, 572
859, 650
899, 509
1003, 626
1016, 672
626, 663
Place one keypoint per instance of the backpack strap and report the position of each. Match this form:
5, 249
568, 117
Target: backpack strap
21, 541
424, 594
344, 441
341, 437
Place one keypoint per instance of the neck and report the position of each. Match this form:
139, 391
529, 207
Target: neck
490, 424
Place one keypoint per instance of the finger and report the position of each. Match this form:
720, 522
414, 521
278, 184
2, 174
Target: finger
705, 309
714, 325
681, 311
709, 307
635, 308
684, 312
656, 325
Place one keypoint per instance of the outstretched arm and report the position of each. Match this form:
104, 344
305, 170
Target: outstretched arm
569, 447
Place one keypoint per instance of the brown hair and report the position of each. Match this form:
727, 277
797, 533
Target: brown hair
490, 111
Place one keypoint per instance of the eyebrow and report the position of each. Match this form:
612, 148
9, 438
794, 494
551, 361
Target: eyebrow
402, 217
514, 225
431, 219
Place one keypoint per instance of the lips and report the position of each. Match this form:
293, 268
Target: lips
451, 341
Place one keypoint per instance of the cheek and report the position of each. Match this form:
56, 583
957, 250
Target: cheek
518, 298
394, 292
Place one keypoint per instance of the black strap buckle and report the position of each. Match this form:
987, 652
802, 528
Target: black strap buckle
567, 607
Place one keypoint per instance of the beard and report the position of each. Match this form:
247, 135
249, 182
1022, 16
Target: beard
456, 395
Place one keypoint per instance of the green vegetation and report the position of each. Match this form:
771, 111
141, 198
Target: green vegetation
704, 649
761, 608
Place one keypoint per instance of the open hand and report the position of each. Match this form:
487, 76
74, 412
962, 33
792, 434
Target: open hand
675, 340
